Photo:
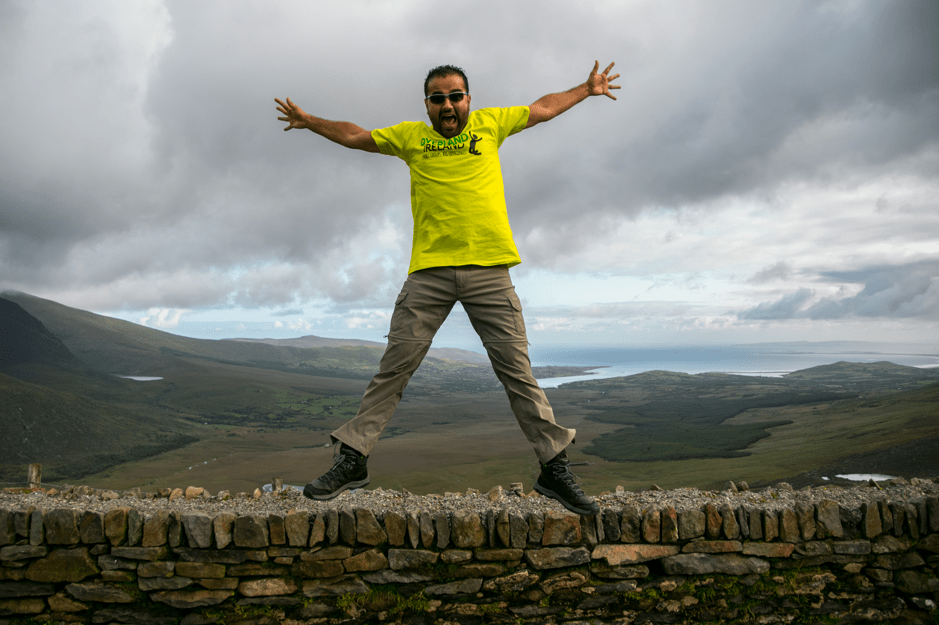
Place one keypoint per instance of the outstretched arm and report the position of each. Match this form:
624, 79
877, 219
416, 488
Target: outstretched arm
553, 104
343, 133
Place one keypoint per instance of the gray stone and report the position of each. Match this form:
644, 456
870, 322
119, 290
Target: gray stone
387, 576
853, 547
562, 581
556, 557
461, 587
930, 543
339, 552
347, 526
516, 582
275, 586
503, 530
37, 531
21, 520
561, 528
200, 570
536, 527
367, 529
250, 531
91, 528
704, 564
932, 512
276, 530
894, 561
332, 526
62, 565
729, 525
99, 592
891, 544
115, 526
886, 516
157, 569
61, 527
414, 529
788, 526
402, 559
871, 524
828, 519
371, 560
691, 524
174, 531
442, 529
334, 587
427, 529
916, 582
297, 525
7, 527
155, 529
13, 590
188, 599
467, 530
134, 615
140, 553
61, 602
754, 521
148, 584
669, 525
37, 528
743, 522
134, 527
635, 571
396, 528
16, 553
518, 528
316, 570
611, 524
805, 514
21, 607
770, 526
652, 526
618, 555
199, 529
318, 530
713, 522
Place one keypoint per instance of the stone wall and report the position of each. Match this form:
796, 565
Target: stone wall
819, 563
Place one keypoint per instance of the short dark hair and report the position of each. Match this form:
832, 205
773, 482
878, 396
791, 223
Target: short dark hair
445, 70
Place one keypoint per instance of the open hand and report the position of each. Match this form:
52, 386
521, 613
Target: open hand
294, 115
599, 84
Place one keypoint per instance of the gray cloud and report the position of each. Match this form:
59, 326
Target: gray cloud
896, 291
143, 164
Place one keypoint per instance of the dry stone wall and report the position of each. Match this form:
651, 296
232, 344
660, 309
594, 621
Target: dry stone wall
819, 562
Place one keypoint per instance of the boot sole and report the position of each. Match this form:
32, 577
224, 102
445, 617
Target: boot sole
350, 485
547, 492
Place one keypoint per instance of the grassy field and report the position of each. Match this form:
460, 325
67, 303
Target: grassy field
233, 415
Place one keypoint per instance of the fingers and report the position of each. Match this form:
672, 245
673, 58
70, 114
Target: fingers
608, 68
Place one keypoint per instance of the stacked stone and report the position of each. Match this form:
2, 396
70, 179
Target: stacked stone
868, 565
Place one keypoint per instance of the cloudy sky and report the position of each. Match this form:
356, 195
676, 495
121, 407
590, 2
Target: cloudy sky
769, 172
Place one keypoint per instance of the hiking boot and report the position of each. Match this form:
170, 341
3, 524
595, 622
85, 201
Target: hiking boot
349, 471
557, 481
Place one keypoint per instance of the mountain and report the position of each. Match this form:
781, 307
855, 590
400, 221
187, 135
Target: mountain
25, 340
120, 347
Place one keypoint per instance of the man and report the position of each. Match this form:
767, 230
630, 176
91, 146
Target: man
461, 251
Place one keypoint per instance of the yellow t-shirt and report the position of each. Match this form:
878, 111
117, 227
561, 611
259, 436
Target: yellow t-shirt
457, 194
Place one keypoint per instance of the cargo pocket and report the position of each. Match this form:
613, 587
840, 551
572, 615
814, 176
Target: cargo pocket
401, 317
515, 305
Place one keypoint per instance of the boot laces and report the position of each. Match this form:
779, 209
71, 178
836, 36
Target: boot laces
561, 471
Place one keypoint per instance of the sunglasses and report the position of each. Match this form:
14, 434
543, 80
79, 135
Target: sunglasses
438, 98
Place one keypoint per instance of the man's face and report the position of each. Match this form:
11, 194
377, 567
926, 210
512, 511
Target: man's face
448, 118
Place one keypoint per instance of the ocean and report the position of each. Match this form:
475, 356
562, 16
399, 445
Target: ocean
764, 359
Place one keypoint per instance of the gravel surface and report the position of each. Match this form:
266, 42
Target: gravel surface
515, 499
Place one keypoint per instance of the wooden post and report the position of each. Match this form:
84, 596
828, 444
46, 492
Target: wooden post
34, 475
277, 485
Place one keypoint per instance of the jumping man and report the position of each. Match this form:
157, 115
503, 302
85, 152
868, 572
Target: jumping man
462, 249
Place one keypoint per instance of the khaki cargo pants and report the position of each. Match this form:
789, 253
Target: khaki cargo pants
489, 299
